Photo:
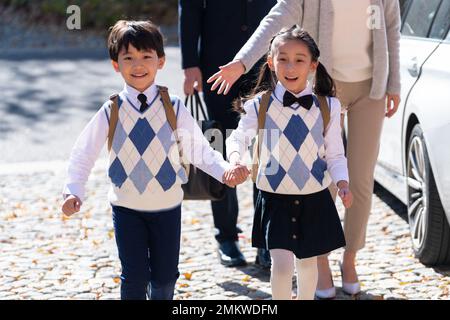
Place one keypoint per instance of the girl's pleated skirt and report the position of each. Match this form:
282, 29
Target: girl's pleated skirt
307, 225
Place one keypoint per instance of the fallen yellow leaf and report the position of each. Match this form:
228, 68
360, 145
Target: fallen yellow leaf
19, 206
187, 275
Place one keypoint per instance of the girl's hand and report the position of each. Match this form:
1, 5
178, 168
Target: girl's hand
227, 76
71, 205
392, 103
345, 194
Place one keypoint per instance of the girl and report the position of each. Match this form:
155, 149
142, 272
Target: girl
359, 42
295, 213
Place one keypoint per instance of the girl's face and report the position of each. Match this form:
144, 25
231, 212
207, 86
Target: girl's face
292, 63
138, 68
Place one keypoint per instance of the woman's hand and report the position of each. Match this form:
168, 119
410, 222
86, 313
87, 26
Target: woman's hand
392, 102
227, 76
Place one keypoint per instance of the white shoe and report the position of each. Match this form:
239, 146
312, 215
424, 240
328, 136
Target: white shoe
350, 288
329, 293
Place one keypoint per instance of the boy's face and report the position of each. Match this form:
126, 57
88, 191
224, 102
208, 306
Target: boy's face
292, 63
138, 68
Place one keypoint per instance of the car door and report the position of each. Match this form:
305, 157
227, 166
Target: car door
415, 48
429, 101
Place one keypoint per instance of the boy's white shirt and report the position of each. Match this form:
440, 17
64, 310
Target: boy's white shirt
241, 138
94, 136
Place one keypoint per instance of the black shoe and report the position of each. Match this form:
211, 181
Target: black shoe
230, 255
263, 258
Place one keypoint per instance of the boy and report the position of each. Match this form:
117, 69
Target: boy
144, 164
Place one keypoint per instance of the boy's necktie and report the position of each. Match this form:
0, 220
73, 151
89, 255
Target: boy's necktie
143, 100
305, 101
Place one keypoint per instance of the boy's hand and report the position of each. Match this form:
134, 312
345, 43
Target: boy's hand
345, 194
71, 205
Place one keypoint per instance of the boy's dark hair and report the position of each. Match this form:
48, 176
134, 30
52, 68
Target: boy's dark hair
143, 35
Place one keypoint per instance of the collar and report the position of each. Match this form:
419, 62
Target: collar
280, 90
131, 94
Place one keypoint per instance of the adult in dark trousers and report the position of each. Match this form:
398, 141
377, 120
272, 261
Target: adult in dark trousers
211, 32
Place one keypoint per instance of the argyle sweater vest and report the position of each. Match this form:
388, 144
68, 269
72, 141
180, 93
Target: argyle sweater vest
144, 164
292, 158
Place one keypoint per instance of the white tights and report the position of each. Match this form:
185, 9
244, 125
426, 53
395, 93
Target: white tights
283, 270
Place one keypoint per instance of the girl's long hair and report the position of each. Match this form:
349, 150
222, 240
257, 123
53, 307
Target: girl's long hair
267, 80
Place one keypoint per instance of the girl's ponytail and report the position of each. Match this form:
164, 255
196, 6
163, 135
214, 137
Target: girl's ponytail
266, 81
323, 83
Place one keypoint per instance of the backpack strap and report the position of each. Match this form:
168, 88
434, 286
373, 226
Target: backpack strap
168, 108
325, 111
172, 119
263, 106
113, 118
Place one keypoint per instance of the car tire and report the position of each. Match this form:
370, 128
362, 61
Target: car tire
429, 228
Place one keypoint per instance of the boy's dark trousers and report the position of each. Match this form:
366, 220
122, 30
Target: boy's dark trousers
149, 247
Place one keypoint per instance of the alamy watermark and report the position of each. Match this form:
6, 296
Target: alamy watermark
374, 20
73, 21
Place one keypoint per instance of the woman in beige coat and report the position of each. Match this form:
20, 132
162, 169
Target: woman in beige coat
359, 44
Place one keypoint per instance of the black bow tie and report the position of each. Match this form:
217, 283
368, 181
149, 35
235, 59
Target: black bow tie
143, 100
305, 101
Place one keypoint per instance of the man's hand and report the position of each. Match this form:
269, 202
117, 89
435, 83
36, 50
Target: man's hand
192, 80
392, 103
345, 194
227, 76
71, 205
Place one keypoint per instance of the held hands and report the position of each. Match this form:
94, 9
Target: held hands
345, 194
227, 76
71, 205
236, 175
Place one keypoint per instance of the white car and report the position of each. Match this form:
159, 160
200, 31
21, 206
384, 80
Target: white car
414, 158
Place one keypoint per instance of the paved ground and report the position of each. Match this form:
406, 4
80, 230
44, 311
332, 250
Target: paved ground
44, 256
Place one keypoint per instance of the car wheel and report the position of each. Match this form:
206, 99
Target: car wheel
429, 228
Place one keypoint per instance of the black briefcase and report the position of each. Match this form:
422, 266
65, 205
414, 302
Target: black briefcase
200, 185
